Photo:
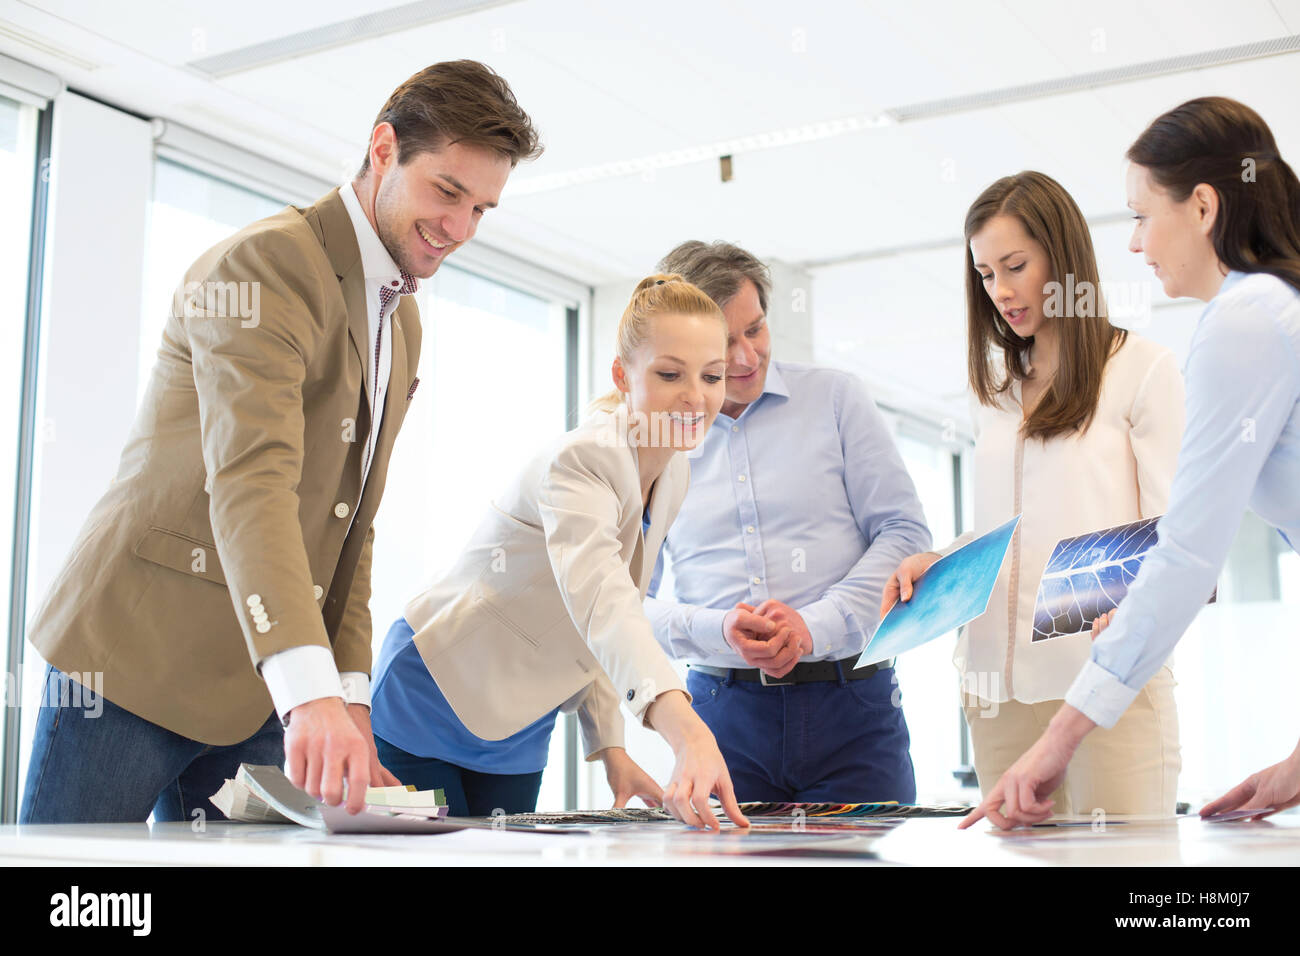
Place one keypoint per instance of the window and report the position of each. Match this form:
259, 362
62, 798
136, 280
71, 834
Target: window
18, 150
493, 386
190, 212
929, 683
1234, 668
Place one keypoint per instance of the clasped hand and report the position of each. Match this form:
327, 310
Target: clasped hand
771, 637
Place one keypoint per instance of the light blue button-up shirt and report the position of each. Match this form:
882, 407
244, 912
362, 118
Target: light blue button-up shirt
803, 498
1241, 448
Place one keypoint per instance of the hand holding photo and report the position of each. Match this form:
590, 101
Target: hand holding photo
954, 591
1088, 575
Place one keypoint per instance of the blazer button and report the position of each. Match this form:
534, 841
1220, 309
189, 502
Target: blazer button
317, 591
341, 510
631, 694
254, 600
263, 627
260, 617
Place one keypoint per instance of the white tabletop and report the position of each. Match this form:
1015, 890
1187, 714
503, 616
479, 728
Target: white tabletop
1184, 841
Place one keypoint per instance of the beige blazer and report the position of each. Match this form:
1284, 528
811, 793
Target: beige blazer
241, 477
543, 608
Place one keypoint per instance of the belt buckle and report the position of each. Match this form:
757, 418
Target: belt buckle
774, 682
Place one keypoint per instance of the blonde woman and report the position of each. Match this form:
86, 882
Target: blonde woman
542, 610
1078, 428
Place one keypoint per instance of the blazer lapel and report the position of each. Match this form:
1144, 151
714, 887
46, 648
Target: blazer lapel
648, 541
399, 383
344, 253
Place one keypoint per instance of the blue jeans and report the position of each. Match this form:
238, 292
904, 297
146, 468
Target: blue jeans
821, 742
93, 762
469, 793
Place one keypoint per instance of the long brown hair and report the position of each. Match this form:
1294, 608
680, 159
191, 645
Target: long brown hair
1227, 146
1052, 218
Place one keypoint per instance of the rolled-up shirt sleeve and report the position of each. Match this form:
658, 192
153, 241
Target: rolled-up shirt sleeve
1243, 382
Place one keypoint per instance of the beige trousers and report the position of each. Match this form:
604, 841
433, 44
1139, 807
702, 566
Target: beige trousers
1132, 768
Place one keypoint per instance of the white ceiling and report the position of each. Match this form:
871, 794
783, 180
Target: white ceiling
609, 82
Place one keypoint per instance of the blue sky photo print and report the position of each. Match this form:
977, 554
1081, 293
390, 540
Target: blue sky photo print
954, 591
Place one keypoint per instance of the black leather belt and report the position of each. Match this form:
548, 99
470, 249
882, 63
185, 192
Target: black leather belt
806, 673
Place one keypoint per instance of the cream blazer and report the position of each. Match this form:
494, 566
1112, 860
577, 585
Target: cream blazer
1118, 471
543, 608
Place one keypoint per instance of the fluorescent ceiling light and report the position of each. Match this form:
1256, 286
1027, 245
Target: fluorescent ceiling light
367, 27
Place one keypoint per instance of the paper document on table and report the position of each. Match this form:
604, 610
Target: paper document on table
954, 591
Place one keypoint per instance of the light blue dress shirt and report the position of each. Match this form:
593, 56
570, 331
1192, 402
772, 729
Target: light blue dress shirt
803, 498
1241, 448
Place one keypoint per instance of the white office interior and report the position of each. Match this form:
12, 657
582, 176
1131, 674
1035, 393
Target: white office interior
134, 136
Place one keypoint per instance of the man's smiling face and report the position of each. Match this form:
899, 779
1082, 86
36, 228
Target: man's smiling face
429, 206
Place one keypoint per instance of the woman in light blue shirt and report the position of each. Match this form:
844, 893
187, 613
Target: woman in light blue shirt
1218, 217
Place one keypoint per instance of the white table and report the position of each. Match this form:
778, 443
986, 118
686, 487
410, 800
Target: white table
1185, 841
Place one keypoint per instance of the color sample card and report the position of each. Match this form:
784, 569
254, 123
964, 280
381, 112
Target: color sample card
954, 591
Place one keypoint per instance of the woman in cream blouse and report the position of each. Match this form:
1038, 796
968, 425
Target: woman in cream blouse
1211, 232
1078, 427
543, 612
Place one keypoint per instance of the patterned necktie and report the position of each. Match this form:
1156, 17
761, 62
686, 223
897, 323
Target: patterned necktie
387, 293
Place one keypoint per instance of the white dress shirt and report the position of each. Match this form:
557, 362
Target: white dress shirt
1118, 471
306, 673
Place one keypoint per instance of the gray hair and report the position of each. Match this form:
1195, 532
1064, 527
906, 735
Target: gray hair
719, 269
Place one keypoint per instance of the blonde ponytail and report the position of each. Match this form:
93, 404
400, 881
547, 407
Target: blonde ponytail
659, 294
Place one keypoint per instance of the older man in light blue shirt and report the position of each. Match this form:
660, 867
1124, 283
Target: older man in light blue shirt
799, 510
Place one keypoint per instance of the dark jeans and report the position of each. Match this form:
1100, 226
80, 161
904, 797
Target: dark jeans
93, 762
469, 793
822, 742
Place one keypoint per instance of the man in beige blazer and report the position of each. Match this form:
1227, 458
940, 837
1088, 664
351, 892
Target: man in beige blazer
243, 503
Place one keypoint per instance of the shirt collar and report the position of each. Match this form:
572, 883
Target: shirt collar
375, 260
773, 384
1231, 279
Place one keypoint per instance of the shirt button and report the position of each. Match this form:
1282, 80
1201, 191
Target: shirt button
254, 600
395, 282
341, 509
631, 694
317, 591
740, 477
735, 428
260, 617
749, 529
263, 627
758, 580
